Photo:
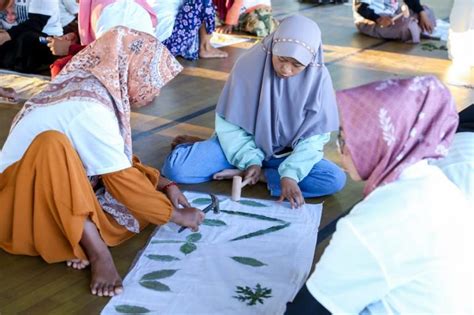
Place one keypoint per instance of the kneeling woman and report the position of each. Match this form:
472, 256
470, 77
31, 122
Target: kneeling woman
273, 118
79, 126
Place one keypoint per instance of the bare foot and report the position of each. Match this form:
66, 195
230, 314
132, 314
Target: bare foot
206, 51
9, 94
205, 48
227, 174
184, 139
105, 279
77, 263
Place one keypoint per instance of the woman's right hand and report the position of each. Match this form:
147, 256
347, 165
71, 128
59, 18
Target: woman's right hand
252, 173
188, 217
384, 21
59, 46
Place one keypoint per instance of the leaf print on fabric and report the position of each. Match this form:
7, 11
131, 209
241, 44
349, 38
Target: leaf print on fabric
213, 222
252, 203
261, 232
248, 261
253, 215
246, 294
194, 237
387, 127
202, 201
155, 285
160, 274
162, 257
131, 309
188, 248
166, 241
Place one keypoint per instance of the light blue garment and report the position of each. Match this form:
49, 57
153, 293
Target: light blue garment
241, 150
197, 162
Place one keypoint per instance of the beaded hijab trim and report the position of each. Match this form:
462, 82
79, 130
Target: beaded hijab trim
291, 40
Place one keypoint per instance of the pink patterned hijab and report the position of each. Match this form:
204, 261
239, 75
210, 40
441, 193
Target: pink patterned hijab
89, 13
390, 125
123, 69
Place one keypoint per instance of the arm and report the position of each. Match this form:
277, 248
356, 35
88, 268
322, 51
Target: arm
233, 14
306, 154
239, 147
35, 22
135, 188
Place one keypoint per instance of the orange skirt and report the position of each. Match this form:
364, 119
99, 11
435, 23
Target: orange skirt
45, 199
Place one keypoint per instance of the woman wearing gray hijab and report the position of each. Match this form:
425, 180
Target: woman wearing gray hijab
273, 118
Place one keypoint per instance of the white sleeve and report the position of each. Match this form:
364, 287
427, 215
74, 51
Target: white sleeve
96, 136
44, 7
348, 277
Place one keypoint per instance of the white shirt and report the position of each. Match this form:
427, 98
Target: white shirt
458, 165
46, 7
166, 12
68, 10
405, 249
92, 129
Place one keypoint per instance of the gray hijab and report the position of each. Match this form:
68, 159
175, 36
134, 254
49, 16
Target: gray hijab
280, 112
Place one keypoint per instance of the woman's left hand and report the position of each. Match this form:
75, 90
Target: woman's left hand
176, 197
291, 191
425, 23
4, 37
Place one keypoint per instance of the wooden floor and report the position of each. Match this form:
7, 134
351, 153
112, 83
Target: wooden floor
186, 105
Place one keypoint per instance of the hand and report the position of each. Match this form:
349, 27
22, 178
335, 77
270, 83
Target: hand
4, 37
224, 29
176, 197
72, 37
425, 23
253, 174
9, 94
291, 191
188, 217
384, 21
58, 46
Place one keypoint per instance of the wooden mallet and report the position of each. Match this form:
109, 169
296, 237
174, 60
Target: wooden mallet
237, 186
405, 13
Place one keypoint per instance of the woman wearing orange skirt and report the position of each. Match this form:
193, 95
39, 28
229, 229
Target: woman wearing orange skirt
69, 184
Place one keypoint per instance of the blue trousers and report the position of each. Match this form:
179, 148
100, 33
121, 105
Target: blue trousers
196, 163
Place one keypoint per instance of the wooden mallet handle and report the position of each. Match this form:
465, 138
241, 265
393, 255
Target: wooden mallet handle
237, 186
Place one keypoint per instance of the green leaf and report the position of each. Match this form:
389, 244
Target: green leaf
160, 274
162, 257
188, 248
253, 215
202, 201
165, 241
261, 232
252, 203
248, 261
155, 285
213, 222
194, 237
130, 309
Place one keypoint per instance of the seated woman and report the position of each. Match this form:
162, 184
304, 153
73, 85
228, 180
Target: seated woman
376, 18
69, 184
273, 118
186, 27
406, 248
251, 16
24, 23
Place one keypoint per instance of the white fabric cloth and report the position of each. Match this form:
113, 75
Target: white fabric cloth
166, 12
458, 165
124, 13
206, 279
380, 7
68, 10
461, 33
405, 249
92, 129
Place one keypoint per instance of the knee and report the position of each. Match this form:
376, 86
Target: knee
51, 138
337, 180
174, 167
